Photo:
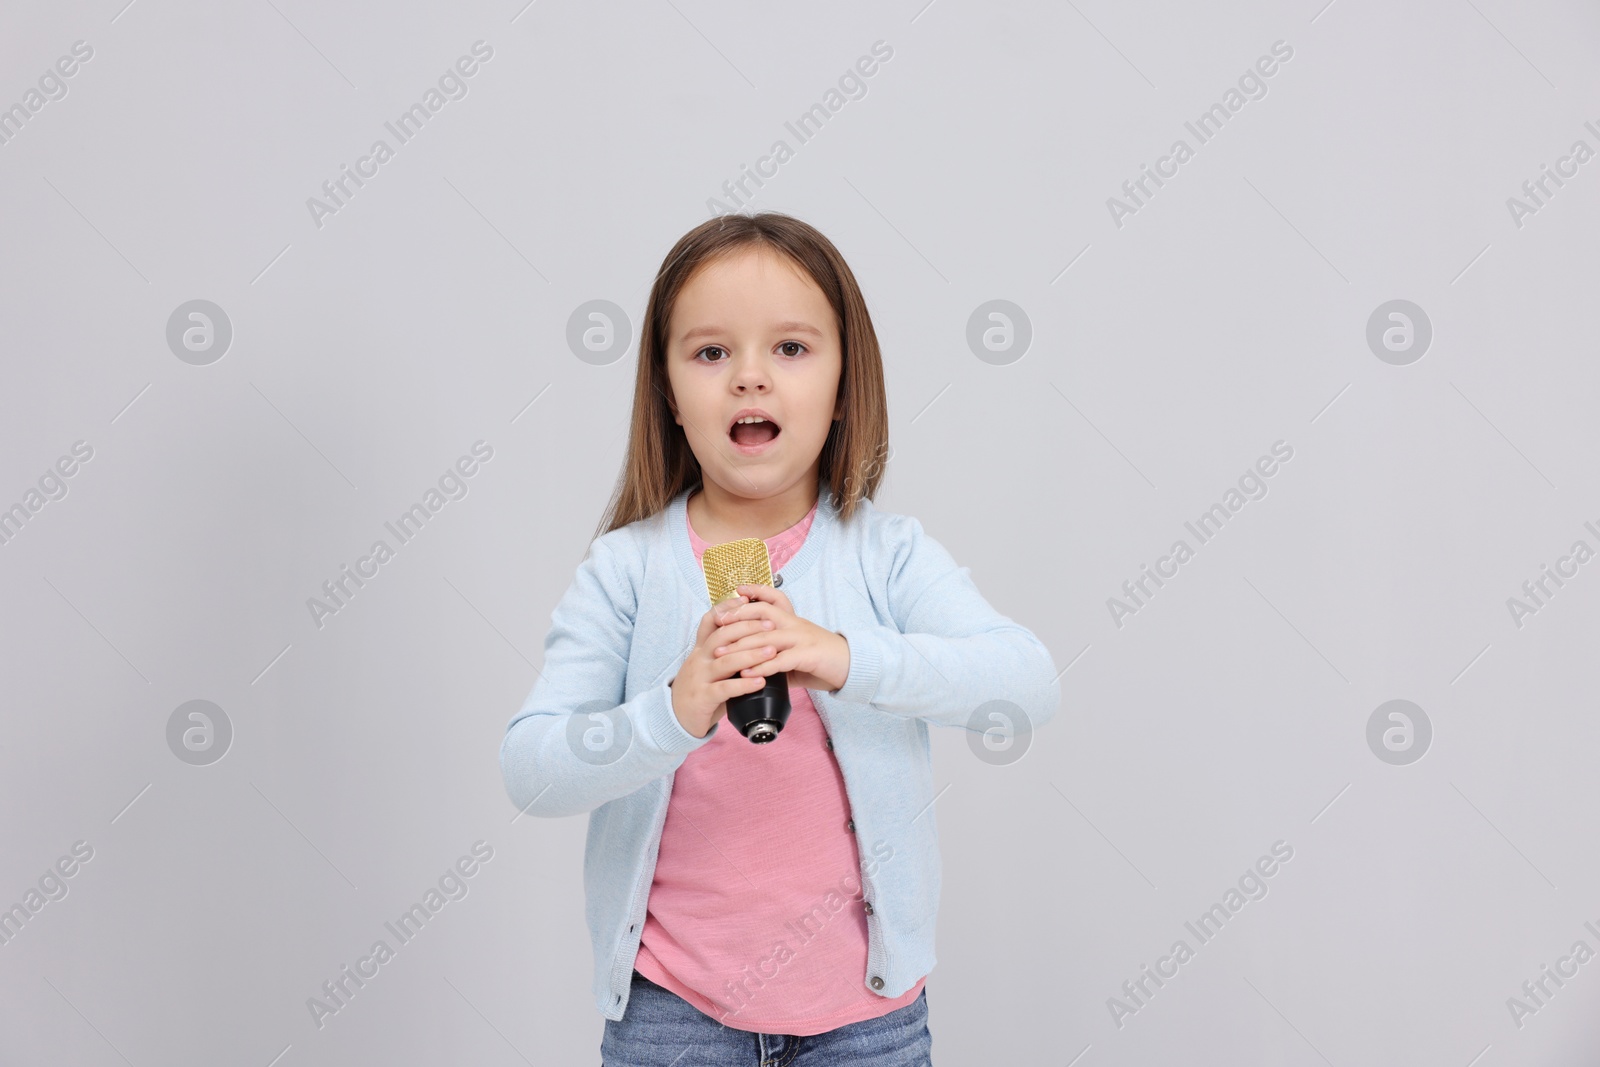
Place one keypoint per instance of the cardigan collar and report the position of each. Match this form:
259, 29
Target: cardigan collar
677, 516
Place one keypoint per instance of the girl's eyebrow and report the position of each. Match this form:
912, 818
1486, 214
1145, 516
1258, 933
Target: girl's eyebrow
780, 327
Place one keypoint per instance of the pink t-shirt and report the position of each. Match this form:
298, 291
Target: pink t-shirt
755, 914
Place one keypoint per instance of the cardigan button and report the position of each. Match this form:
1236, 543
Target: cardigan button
850, 824
829, 742
877, 983
868, 905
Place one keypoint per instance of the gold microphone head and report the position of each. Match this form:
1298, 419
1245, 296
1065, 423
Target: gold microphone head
736, 563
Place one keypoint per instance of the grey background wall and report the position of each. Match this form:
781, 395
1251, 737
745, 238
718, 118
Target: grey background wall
1362, 278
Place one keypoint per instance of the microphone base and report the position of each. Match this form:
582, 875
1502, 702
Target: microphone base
761, 715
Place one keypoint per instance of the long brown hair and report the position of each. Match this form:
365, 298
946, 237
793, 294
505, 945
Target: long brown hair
659, 464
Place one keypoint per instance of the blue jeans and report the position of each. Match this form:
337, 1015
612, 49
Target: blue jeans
661, 1029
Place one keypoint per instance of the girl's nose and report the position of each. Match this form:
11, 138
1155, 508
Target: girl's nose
751, 373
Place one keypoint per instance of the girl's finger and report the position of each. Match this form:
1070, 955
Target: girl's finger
735, 613
768, 595
755, 639
736, 686
756, 609
728, 633
780, 662
731, 663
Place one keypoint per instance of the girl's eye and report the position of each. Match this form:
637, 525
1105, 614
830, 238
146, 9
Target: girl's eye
718, 348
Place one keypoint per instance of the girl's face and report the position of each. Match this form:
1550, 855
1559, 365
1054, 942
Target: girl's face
752, 330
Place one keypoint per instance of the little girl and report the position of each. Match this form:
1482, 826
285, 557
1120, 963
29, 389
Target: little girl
761, 903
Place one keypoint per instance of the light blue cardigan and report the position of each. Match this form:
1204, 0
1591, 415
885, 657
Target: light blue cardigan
598, 734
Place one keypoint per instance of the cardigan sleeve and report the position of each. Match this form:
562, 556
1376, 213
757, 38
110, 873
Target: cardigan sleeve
949, 652
575, 743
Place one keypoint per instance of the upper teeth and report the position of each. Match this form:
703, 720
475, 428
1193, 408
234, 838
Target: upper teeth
749, 418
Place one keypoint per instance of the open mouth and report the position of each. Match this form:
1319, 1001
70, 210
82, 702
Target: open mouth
753, 432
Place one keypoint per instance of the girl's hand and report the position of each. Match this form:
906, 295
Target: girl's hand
705, 681
813, 657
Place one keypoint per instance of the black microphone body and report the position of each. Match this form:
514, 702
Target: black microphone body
760, 715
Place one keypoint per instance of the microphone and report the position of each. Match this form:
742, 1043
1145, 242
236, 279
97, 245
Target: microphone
759, 715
